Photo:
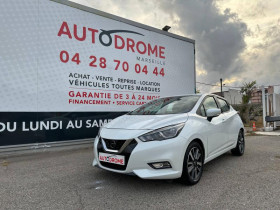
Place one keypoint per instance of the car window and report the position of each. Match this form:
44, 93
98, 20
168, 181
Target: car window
209, 103
169, 105
224, 105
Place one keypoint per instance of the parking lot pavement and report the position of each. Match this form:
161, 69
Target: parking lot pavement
66, 180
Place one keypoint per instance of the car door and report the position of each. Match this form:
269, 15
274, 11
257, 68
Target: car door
229, 121
215, 128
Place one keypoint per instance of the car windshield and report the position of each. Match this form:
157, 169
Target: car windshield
169, 105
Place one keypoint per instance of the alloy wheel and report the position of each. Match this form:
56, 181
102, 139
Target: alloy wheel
194, 163
241, 143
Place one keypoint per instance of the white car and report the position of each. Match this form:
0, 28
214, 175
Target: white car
170, 138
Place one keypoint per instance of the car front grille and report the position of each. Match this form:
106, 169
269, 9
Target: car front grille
114, 144
126, 152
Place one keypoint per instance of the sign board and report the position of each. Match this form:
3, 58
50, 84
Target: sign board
67, 69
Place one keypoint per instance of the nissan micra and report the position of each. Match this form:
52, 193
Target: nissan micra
170, 138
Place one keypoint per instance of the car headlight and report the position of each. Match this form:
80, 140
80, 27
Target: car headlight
164, 133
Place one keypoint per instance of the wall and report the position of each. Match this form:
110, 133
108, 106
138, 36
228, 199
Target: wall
233, 96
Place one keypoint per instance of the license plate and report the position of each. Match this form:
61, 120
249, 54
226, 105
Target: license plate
111, 158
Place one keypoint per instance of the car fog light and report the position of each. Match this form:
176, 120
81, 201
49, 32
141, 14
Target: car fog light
160, 165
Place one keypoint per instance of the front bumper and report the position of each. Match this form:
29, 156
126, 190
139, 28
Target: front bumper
172, 150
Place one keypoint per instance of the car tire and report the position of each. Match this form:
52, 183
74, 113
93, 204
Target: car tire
240, 146
193, 164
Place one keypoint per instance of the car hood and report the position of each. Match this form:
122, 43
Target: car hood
146, 122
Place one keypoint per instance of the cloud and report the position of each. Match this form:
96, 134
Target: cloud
144, 11
236, 40
261, 58
219, 37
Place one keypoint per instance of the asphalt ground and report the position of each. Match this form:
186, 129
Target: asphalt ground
66, 180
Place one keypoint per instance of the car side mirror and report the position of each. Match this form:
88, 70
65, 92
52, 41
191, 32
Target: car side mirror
210, 113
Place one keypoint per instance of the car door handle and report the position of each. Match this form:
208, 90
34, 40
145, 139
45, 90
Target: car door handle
223, 120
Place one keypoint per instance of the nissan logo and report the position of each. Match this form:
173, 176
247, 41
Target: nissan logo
112, 144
